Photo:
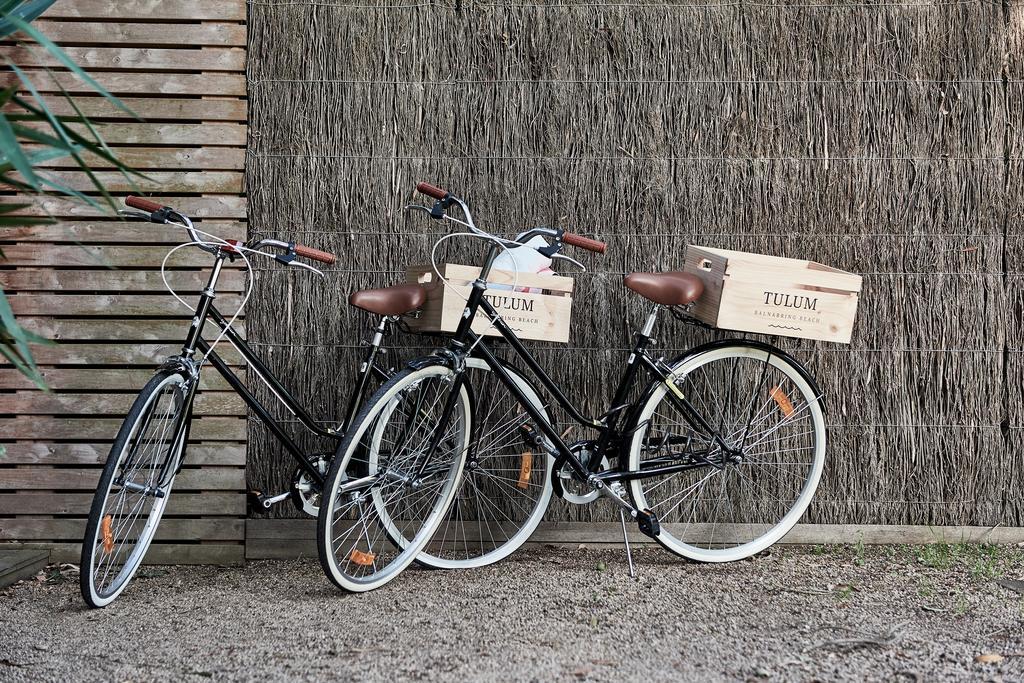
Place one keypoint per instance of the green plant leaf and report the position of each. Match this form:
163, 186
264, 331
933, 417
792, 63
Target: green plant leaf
7, 94
31, 372
19, 221
15, 340
71, 192
45, 155
13, 153
26, 11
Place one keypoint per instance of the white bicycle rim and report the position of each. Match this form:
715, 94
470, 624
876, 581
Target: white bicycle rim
410, 550
783, 526
517, 539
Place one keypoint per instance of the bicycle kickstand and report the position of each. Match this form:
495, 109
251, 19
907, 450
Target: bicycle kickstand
625, 539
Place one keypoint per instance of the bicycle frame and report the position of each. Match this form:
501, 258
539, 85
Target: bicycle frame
194, 342
609, 425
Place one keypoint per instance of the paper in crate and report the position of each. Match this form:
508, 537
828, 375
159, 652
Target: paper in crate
774, 295
542, 313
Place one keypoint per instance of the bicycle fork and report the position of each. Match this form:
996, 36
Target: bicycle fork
413, 476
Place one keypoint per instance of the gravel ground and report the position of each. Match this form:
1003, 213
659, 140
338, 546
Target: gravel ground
834, 613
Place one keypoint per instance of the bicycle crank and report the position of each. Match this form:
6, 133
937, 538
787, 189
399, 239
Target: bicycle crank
305, 493
260, 503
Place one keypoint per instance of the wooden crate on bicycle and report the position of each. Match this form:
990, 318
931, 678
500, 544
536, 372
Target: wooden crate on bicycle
773, 295
541, 312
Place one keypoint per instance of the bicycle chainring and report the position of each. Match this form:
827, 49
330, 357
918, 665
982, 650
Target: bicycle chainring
575, 491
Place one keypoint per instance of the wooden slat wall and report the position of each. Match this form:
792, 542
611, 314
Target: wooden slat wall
93, 284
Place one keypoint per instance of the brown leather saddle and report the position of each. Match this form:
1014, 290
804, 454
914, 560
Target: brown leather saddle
395, 300
673, 288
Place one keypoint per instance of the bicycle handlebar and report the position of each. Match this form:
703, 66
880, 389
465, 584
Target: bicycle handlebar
431, 190
153, 208
584, 242
142, 204
315, 254
448, 198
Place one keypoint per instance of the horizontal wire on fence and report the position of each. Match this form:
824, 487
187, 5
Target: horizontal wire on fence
670, 235
612, 273
626, 349
256, 82
624, 157
315, 3
958, 501
328, 421
743, 3
614, 5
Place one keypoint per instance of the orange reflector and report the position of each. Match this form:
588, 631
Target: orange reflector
785, 405
525, 467
108, 535
359, 557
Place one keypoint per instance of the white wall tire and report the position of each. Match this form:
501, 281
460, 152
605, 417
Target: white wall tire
451, 547
335, 532
734, 544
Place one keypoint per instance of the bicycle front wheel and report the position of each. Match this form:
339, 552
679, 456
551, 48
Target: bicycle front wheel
719, 506
378, 512
134, 488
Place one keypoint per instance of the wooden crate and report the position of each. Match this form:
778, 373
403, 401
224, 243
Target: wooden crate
540, 315
773, 295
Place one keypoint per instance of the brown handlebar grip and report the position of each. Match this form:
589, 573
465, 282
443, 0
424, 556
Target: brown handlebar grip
431, 190
142, 204
584, 242
315, 254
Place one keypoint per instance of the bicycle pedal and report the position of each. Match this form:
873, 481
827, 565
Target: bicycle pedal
648, 523
259, 503
531, 436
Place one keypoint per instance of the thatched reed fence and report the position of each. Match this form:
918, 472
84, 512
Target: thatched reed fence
883, 138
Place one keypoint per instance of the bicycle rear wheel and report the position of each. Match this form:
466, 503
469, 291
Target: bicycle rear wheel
134, 488
377, 515
726, 507
506, 482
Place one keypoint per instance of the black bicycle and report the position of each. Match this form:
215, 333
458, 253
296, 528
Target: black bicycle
716, 458
150, 448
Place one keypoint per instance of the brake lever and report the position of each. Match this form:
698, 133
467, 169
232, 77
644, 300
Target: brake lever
418, 207
570, 259
299, 264
134, 215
